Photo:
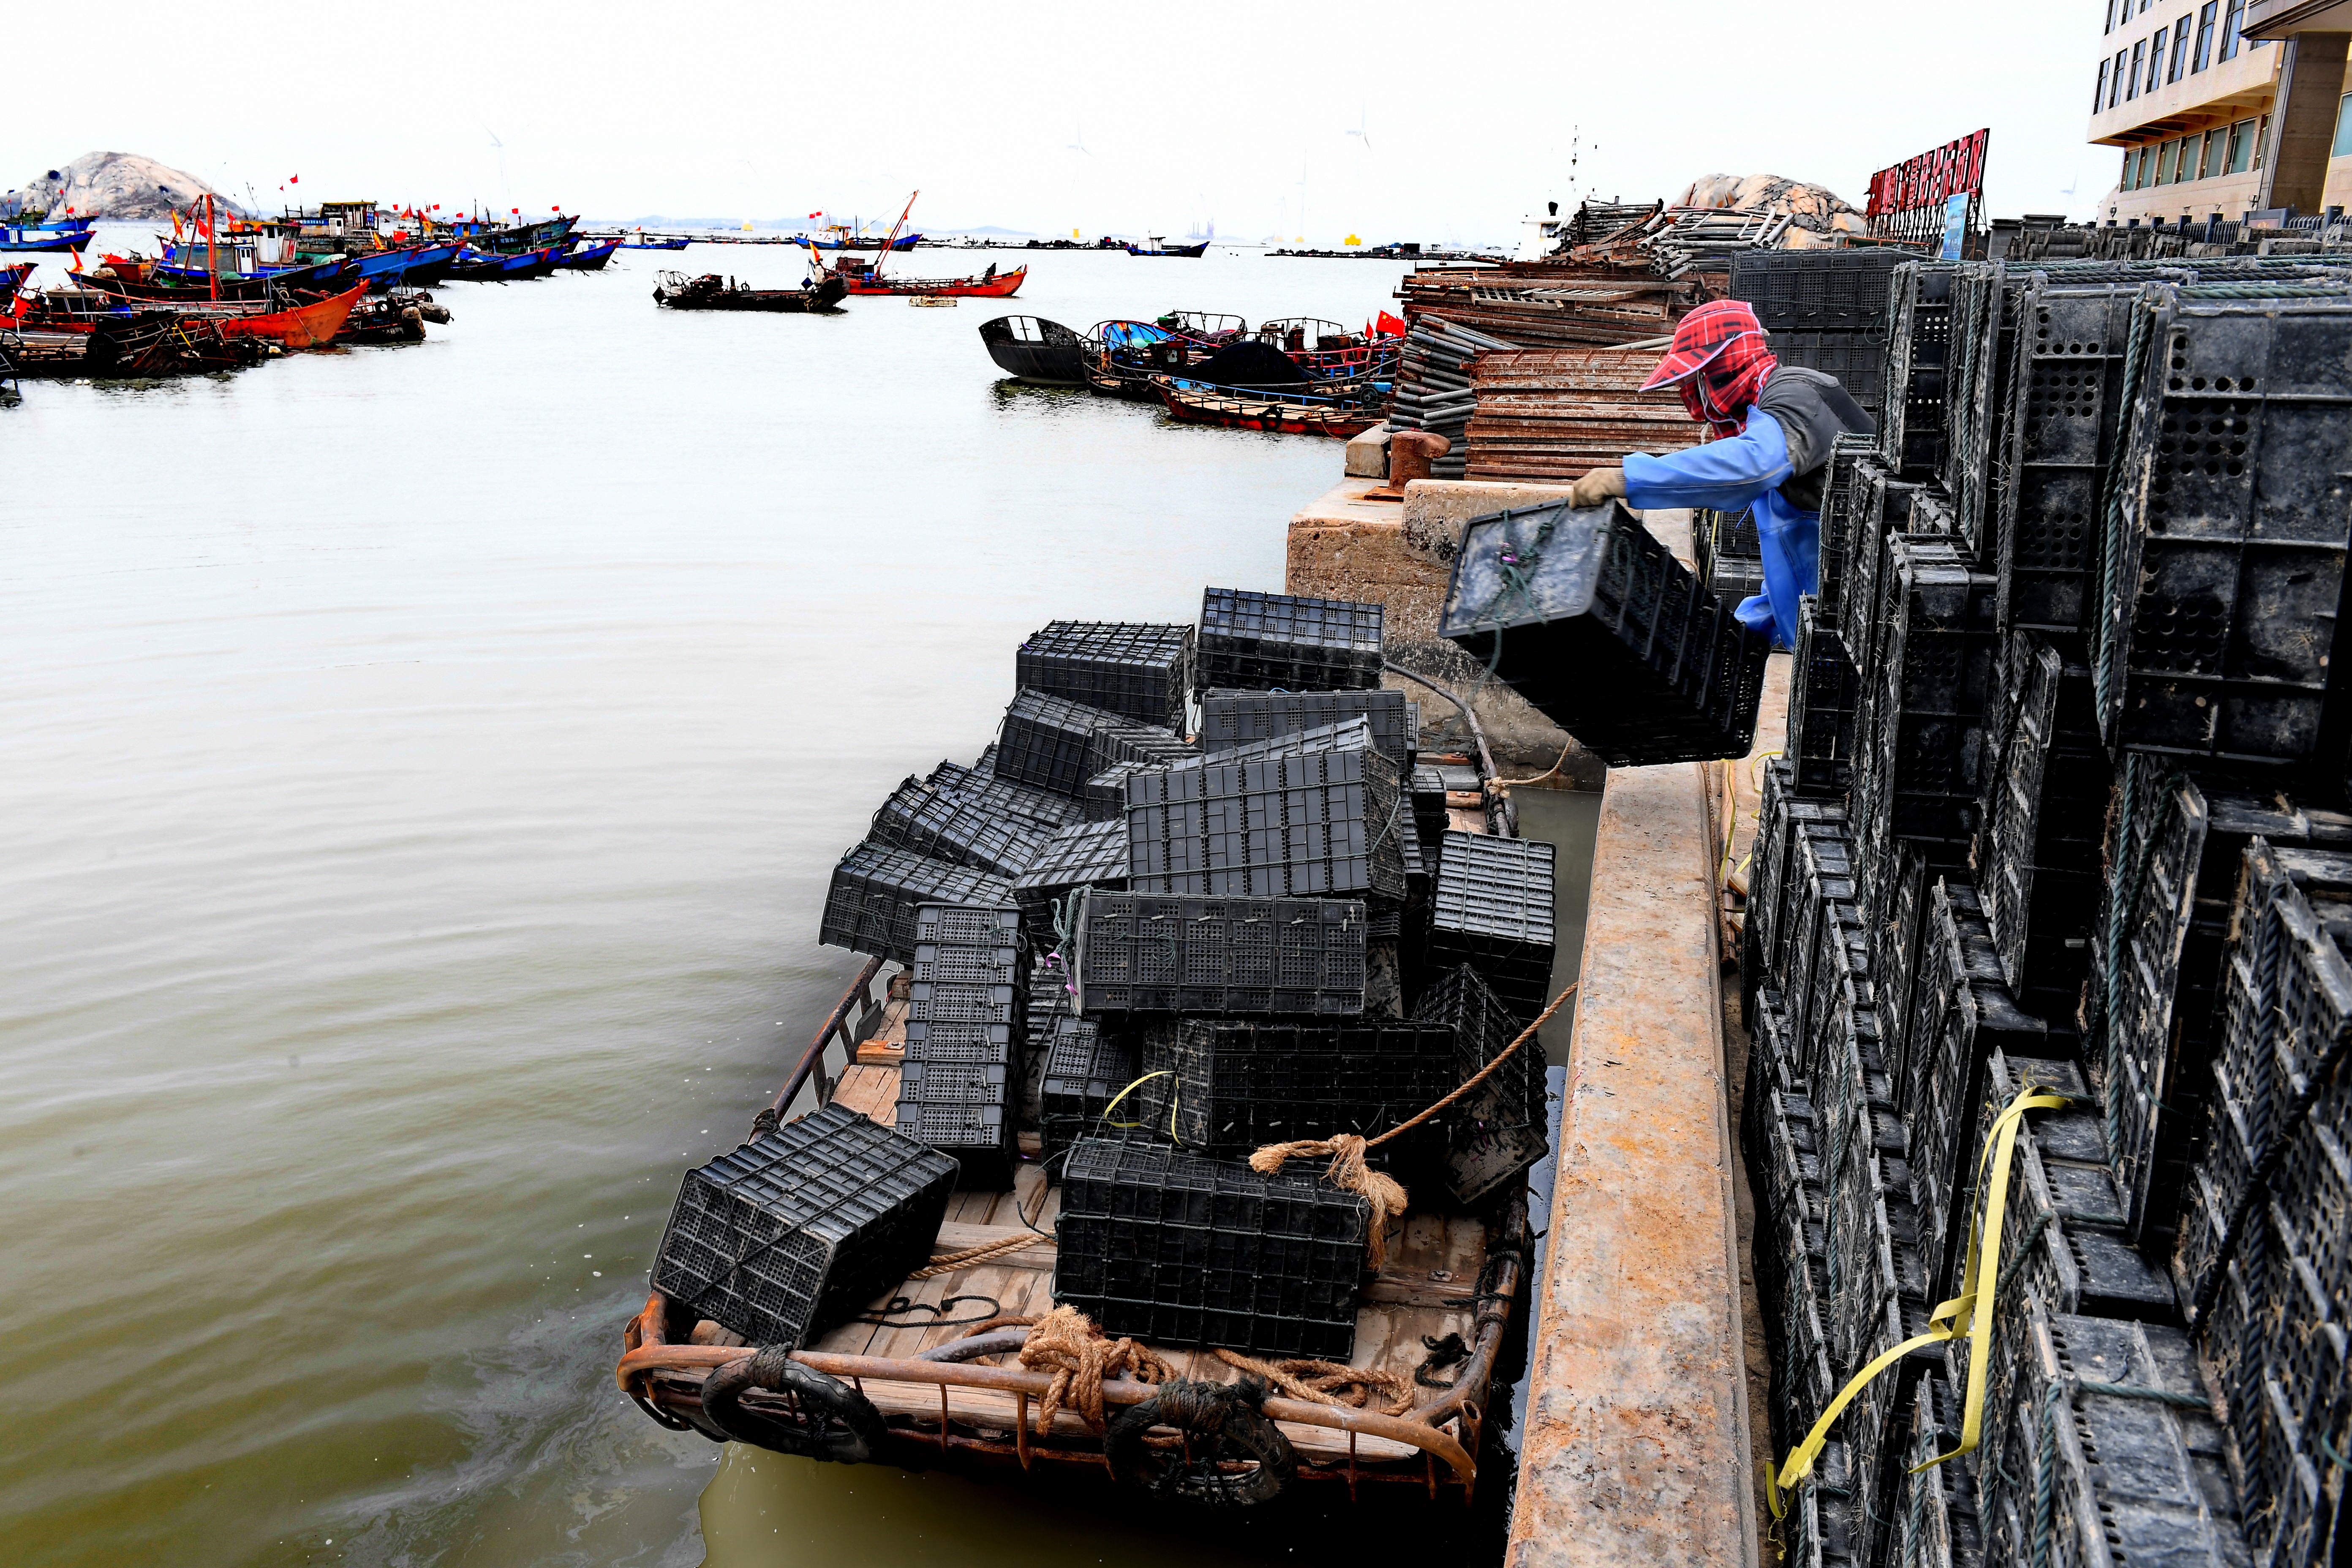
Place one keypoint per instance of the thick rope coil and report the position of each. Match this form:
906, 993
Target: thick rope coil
1326, 1382
1067, 1344
1347, 1173
948, 1262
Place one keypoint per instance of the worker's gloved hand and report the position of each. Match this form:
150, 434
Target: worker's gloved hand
1600, 485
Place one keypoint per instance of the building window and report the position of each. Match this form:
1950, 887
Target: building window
2213, 159
2115, 85
2156, 60
2179, 66
2343, 127
2242, 146
2232, 20
2261, 134
2205, 20
2099, 98
2131, 84
2147, 168
2111, 17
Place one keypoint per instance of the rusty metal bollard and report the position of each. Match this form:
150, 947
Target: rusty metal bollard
1410, 454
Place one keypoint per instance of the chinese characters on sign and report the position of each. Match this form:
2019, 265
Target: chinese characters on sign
1913, 200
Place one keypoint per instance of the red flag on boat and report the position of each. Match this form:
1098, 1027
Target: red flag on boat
1391, 326
816, 214
293, 179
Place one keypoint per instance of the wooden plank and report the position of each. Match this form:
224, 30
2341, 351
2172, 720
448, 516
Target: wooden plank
871, 1092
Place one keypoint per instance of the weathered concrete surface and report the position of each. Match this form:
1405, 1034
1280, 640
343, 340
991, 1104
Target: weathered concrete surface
1367, 454
1637, 1446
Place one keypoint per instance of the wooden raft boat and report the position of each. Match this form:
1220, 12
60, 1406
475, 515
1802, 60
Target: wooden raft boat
713, 292
863, 280
914, 1390
1292, 414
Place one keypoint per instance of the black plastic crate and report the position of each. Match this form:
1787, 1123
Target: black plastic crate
956, 829
1143, 670
1782, 817
1496, 1131
1895, 936
1429, 814
1843, 527
968, 946
1227, 957
963, 1108
1919, 335
1231, 720
1316, 825
2083, 1465
1047, 742
1935, 1522
2065, 410
780, 1239
2046, 788
1962, 1014
1877, 1291
1178, 1249
1825, 694
1492, 909
1085, 855
1887, 509
1231, 1086
1256, 642
1819, 290
1087, 1067
1727, 552
870, 906
1126, 741
1923, 702
1105, 797
1855, 357
1596, 624
2222, 562
979, 783
1986, 300
1826, 939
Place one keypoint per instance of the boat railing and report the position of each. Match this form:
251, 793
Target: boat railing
852, 1017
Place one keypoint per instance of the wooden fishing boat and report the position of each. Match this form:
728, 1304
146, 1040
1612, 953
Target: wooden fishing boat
862, 279
713, 292
1033, 350
72, 233
675, 242
1209, 327
911, 1380
1154, 245
150, 343
489, 266
1284, 412
590, 256
301, 326
13, 278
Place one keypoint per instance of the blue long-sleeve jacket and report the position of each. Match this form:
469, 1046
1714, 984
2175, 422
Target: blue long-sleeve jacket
1744, 471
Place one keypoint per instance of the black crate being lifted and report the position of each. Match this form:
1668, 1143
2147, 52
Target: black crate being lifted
1492, 909
1084, 855
1314, 824
1227, 957
1231, 720
1596, 624
1258, 642
1231, 1085
2224, 550
1178, 1249
1142, 670
870, 906
800, 1228
956, 829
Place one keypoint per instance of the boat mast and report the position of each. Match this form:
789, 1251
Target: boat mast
212, 244
893, 237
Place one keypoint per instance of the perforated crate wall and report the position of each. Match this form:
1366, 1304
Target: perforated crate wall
1048, 742
1843, 529
1178, 1249
1042, 808
1920, 309
2046, 799
870, 906
1233, 719
956, 829
1321, 823
782, 1239
1230, 957
1143, 670
1252, 641
1492, 909
2066, 409
1105, 799
1824, 695
1086, 1068
1815, 291
1499, 1129
1233, 1086
1086, 855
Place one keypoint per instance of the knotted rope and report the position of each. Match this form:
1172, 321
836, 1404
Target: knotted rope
948, 1262
1324, 1382
1067, 1344
1348, 1170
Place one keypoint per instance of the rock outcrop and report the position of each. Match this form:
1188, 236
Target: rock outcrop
1814, 208
120, 186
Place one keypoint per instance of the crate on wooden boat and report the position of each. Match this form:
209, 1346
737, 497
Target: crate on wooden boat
1258, 641
1227, 1087
876, 888
1178, 1249
1221, 957
965, 1110
1233, 719
782, 1239
1314, 824
1083, 855
1087, 1066
957, 829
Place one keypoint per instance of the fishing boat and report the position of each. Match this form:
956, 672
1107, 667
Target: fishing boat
307, 325
841, 237
589, 255
496, 267
136, 346
866, 279
289, 321
656, 242
13, 278
1156, 244
394, 318
68, 234
1119, 358
959, 1365
1189, 402
1209, 327
1033, 350
713, 292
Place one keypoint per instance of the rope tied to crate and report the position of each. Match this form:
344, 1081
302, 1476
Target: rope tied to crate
1326, 1382
1067, 1344
1348, 1170
1969, 1313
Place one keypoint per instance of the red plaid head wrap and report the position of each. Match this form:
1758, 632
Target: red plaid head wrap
1718, 361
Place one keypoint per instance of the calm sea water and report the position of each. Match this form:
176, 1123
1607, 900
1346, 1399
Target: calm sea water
422, 770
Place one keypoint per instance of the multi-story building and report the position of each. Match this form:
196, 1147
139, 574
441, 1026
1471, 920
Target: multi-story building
2223, 107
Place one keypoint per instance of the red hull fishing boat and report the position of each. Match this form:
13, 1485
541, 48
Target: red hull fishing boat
864, 277
300, 326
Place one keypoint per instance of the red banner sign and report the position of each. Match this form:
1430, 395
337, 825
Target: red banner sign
1929, 180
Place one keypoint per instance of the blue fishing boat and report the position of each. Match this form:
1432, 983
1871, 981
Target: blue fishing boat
483, 267
590, 256
185, 264
675, 242
68, 234
1154, 246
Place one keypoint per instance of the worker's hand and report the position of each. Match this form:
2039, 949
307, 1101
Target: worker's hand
1600, 485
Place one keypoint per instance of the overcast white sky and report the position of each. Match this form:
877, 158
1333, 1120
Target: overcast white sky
1235, 111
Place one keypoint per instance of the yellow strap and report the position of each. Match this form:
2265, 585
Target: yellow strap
1949, 1320
1130, 1088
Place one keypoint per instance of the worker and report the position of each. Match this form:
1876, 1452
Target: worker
1773, 428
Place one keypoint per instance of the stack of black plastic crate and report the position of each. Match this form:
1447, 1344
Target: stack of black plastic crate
2068, 681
